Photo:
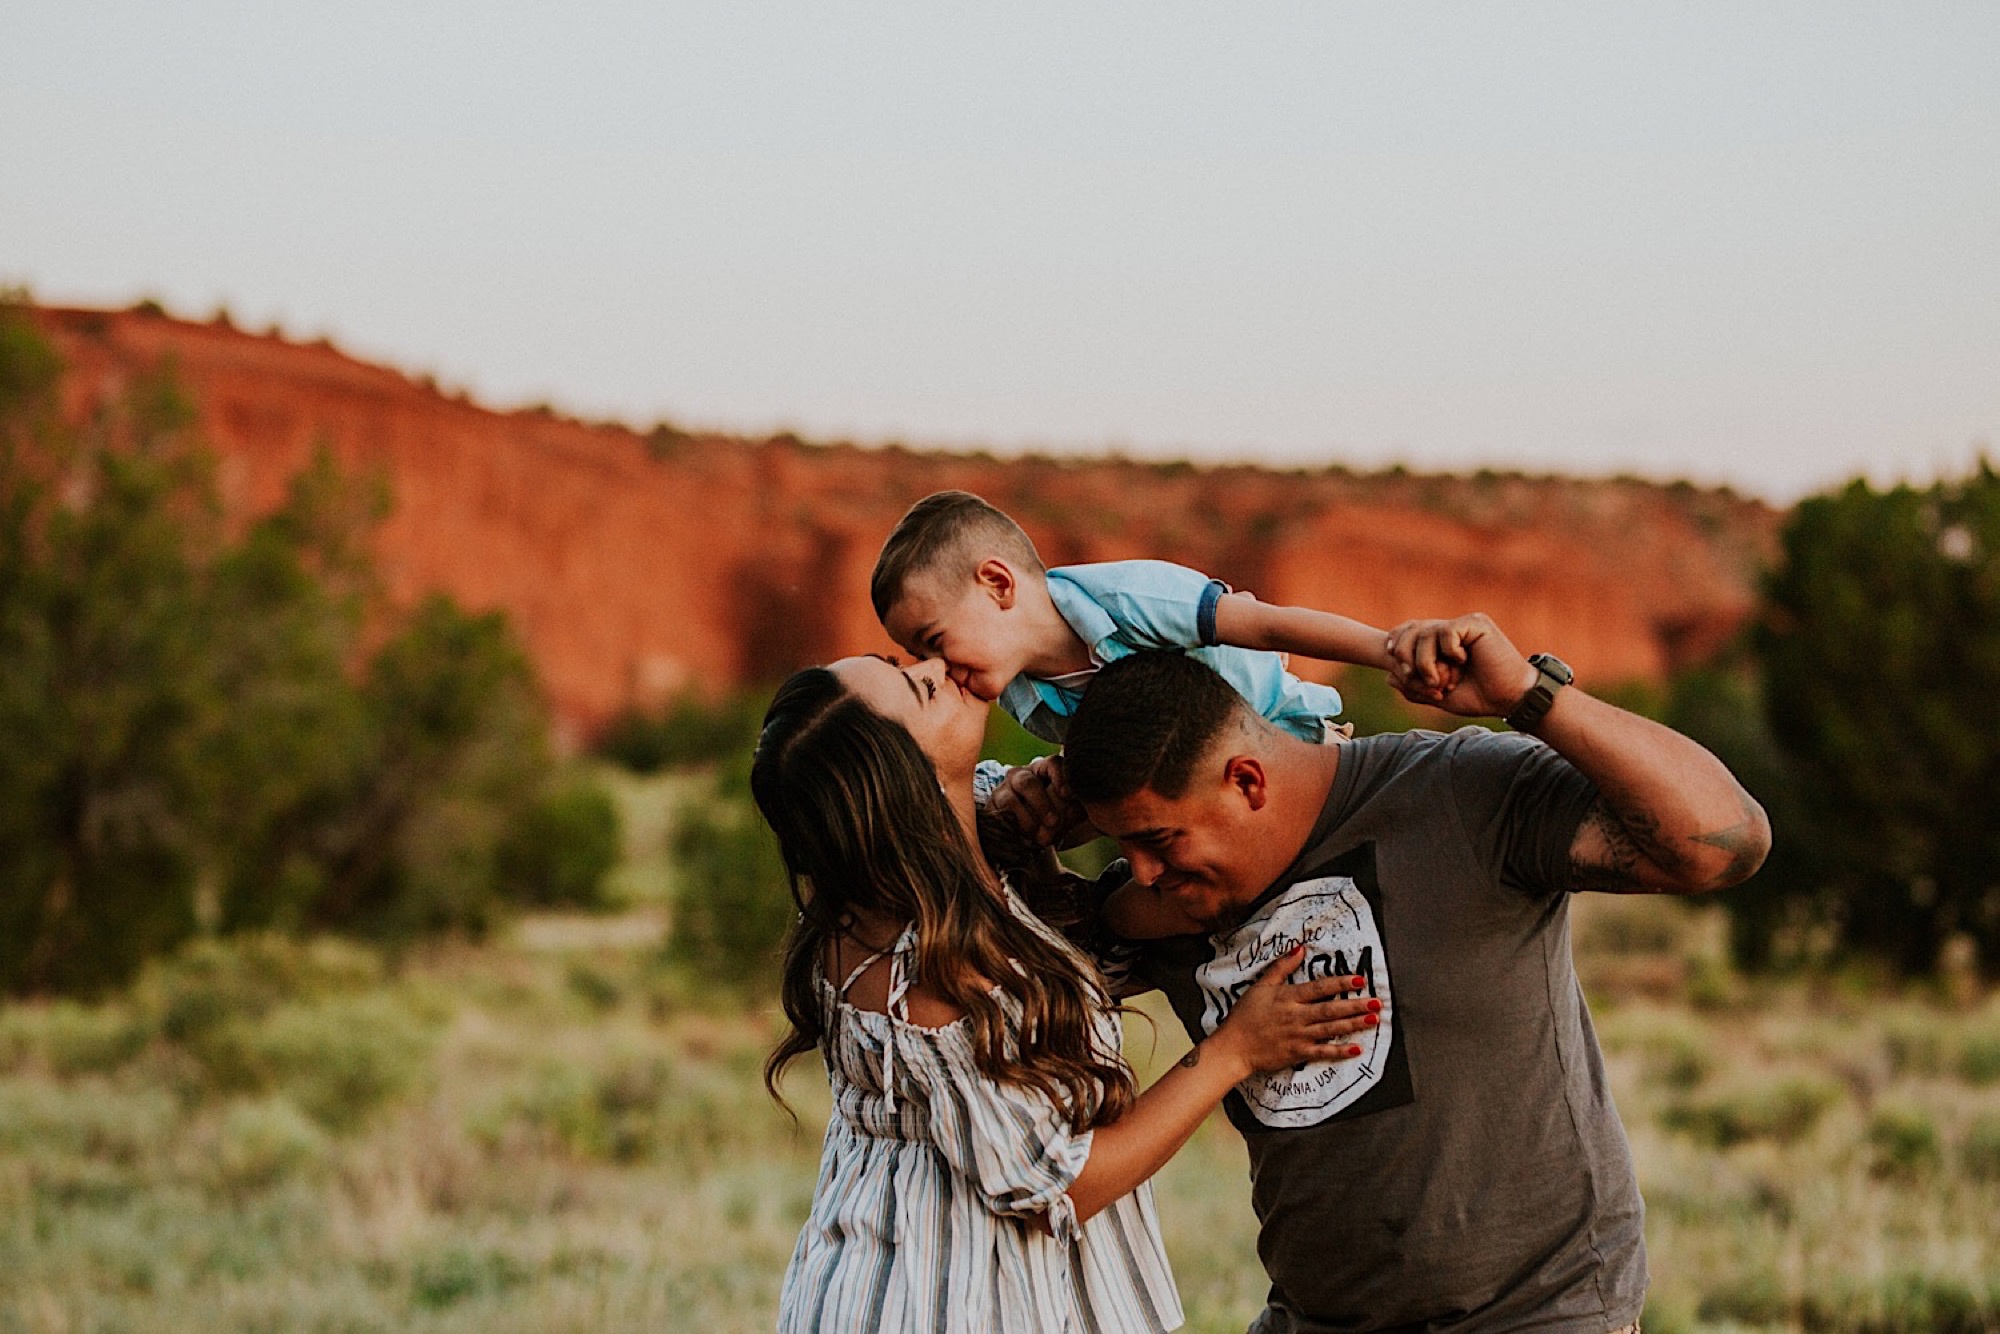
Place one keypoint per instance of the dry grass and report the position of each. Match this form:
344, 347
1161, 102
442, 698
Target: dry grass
546, 1135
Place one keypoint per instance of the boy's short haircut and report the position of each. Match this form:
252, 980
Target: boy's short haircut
1145, 722
945, 527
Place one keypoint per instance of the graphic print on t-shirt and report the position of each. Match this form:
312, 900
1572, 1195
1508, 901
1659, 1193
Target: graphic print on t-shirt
1337, 916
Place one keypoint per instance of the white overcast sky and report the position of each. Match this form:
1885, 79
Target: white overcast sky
1739, 242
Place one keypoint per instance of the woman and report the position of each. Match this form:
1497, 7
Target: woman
986, 1160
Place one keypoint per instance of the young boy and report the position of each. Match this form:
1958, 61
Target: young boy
959, 580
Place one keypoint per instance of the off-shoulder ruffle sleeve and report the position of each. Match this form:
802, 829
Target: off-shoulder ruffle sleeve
1013, 1144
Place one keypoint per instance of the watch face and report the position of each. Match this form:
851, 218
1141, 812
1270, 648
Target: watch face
1554, 666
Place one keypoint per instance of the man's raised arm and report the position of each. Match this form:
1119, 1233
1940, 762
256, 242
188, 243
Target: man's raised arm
1669, 817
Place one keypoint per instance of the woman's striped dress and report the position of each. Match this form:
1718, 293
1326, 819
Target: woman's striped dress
930, 1181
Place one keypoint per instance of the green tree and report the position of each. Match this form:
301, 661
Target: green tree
732, 906
456, 752
102, 676
373, 801
1777, 919
286, 765
690, 730
1881, 657
559, 852
192, 732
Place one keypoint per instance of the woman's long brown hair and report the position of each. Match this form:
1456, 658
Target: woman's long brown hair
864, 827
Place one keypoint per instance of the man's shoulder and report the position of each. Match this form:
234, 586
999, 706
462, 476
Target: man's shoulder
1388, 766
1498, 793
1424, 746
1391, 752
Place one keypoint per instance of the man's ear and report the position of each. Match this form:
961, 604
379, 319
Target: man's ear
1245, 776
997, 577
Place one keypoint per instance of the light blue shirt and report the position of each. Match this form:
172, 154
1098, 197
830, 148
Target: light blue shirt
1128, 606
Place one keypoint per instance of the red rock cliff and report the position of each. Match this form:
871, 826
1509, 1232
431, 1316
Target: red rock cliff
638, 566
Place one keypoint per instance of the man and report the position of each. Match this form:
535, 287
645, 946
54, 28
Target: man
1469, 1173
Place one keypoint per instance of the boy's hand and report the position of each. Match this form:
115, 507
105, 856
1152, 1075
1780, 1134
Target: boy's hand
1463, 665
1036, 800
1430, 684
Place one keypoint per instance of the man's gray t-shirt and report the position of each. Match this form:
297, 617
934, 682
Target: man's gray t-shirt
1468, 1172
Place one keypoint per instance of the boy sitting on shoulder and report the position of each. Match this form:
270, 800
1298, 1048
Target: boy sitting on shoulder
959, 580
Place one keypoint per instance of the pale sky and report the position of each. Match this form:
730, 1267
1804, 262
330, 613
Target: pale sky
1742, 243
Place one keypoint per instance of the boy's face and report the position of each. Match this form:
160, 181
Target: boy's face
966, 623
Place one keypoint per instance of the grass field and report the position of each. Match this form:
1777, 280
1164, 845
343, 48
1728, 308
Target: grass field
552, 1133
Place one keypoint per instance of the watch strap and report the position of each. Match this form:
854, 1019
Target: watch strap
1551, 675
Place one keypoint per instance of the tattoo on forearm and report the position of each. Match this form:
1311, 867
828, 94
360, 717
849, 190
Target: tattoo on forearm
1743, 841
1633, 838
1193, 1057
1618, 868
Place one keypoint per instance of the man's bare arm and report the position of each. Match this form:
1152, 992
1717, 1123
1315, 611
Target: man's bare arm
1622, 855
1669, 819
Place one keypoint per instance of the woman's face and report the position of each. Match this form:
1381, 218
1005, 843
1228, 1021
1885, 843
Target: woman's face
949, 724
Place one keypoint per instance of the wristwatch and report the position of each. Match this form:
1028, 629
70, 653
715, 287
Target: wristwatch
1552, 674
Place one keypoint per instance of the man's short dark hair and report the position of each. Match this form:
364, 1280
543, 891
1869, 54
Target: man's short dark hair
1145, 722
942, 529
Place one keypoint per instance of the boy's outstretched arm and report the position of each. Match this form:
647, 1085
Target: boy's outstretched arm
1244, 622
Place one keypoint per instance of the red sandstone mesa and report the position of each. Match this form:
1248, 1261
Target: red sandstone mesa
636, 569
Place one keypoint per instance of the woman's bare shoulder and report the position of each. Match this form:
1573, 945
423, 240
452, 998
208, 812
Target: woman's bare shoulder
926, 1006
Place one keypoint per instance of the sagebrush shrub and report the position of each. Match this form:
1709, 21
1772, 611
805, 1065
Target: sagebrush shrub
732, 907
1979, 1151
342, 1058
1979, 1058
262, 1142
71, 1039
1783, 1112
1904, 1141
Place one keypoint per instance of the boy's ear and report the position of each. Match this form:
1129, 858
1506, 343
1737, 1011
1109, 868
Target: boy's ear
997, 577
1245, 776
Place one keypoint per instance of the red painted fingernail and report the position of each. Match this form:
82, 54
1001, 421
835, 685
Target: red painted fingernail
1354, 1051
1374, 1006
1360, 982
1371, 1020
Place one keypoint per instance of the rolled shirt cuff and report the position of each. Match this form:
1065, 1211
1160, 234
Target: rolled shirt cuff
1204, 612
